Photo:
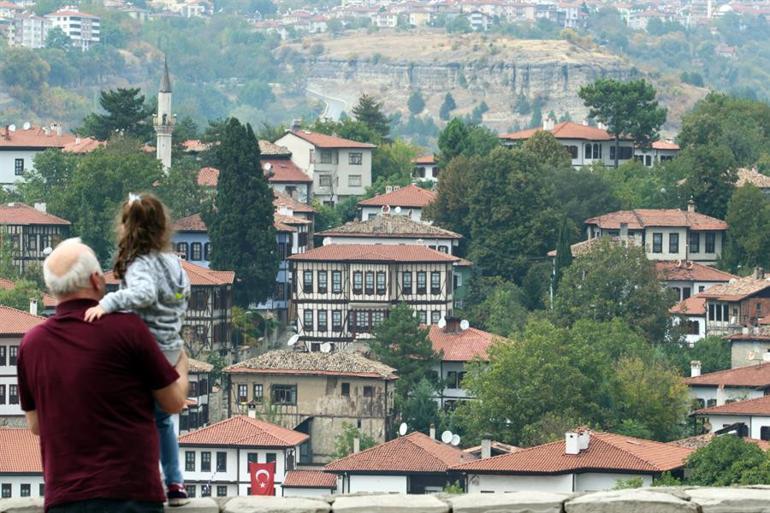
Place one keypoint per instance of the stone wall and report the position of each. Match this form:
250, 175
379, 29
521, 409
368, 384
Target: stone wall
754, 499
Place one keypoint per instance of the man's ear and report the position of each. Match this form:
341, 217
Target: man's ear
97, 281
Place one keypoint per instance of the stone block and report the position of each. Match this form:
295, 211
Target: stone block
22, 505
636, 500
514, 502
390, 503
202, 505
731, 500
256, 504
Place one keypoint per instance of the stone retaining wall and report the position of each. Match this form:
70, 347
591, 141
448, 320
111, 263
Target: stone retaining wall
755, 499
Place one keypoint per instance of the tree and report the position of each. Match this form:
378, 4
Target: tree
563, 257
20, 295
627, 108
450, 210
240, 224
369, 112
126, 113
548, 150
416, 103
748, 215
179, 188
707, 175
496, 305
57, 38
614, 281
728, 460
447, 106
419, 410
343, 442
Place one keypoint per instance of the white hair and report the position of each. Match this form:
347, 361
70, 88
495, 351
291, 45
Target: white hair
76, 277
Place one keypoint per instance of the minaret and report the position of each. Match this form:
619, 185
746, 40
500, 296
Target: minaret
164, 120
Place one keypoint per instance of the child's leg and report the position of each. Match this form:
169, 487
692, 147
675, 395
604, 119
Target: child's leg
169, 448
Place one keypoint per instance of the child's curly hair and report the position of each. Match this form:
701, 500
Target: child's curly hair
144, 225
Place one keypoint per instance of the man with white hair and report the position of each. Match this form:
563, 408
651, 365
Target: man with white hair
88, 391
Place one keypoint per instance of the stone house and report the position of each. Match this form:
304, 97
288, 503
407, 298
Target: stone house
33, 232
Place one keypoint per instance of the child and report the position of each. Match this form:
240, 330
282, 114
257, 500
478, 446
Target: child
153, 285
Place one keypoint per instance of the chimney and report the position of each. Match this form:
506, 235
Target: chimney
548, 124
252, 411
433, 431
33, 306
452, 325
56, 127
584, 438
486, 447
41, 207
758, 274
624, 231
691, 205
571, 444
7, 133
296, 124
695, 368
356, 445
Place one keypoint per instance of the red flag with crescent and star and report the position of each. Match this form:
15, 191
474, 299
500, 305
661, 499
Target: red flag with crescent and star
262, 478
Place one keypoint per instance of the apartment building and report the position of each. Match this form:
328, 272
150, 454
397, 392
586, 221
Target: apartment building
83, 29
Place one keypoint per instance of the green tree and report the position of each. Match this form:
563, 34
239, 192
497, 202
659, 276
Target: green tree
748, 215
179, 188
623, 484
419, 410
369, 112
627, 108
461, 138
126, 113
416, 103
257, 94
708, 175
343, 442
451, 208
548, 150
57, 38
563, 257
447, 106
241, 222
393, 161
496, 305
728, 460
21, 294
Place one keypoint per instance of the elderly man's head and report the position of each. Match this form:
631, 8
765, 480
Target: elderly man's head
72, 270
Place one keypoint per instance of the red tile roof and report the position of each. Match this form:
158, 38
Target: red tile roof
314, 364
19, 451
750, 376
461, 346
83, 145
243, 431
693, 305
690, 271
284, 171
425, 160
641, 218
197, 366
664, 145
195, 145
759, 406
329, 141
193, 223
48, 300
564, 130
373, 253
390, 226
413, 453
17, 322
19, 213
309, 479
410, 196
268, 149
199, 276
284, 200
35, 137
70, 12
208, 176
736, 290
284, 223
606, 452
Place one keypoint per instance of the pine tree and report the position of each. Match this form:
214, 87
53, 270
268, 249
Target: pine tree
369, 112
241, 223
447, 107
126, 113
563, 252
416, 103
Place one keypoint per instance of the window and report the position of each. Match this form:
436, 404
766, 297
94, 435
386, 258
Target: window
18, 166
686, 292
626, 152
252, 457
325, 181
378, 318
346, 389
205, 461
284, 394
435, 316
13, 353
41, 490
270, 457
354, 181
355, 158
369, 285
692, 327
307, 282
711, 239
422, 316
5, 489
323, 282
368, 391
694, 242
380, 283
657, 243
206, 490
358, 282
764, 433
32, 242
3, 359
573, 151
673, 243
243, 393
307, 320
193, 389
422, 277
258, 393
196, 251
221, 462
190, 489
336, 282
588, 152
325, 156
183, 250
2, 394
221, 491
718, 312
451, 380
199, 300
13, 394
207, 251
406, 282
435, 282
322, 320
336, 320
189, 461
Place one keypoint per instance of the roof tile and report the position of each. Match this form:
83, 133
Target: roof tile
329, 141
20, 213
193, 223
564, 130
329, 364
245, 432
749, 376
19, 451
690, 271
390, 226
641, 218
309, 479
758, 406
34, 137
411, 196
374, 253
461, 346
199, 276
284, 171
17, 322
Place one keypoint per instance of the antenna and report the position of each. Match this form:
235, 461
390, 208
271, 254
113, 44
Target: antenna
326, 347
442, 323
446, 437
402, 429
464, 324
293, 340
455, 440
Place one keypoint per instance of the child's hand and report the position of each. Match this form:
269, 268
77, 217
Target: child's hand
93, 313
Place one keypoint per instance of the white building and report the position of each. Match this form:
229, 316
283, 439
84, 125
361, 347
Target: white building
749, 418
309, 483
584, 461
28, 30
13, 325
216, 458
425, 169
689, 278
163, 121
407, 201
690, 315
727, 386
19, 146
340, 168
83, 29
659, 151
21, 467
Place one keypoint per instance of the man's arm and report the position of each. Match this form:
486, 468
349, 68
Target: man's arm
32, 422
173, 398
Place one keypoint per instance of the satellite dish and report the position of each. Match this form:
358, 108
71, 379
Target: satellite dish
398, 210
464, 324
455, 440
267, 166
293, 340
12, 128
327, 241
47, 251
27, 125
326, 347
446, 437
402, 429
442, 323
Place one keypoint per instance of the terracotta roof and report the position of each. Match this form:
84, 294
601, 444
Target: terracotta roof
759, 406
425, 160
309, 479
496, 446
19, 213
693, 305
208, 176
700, 441
269, 149
736, 290
83, 145
70, 12
374, 253
415, 452
283, 223
410, 196
753, 177
284, 171
34, 137
193, 223
243, 431
17, 322
606, 451
328, 364
19, 451
664, 145
641, 218
690, 271
197, 366
564, 130
48, 300
199, 276
387, 226
329, 141
757, 376
584, 247
195, 145
461, 346
284, 200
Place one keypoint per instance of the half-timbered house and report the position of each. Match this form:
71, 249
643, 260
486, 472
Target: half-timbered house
32, 232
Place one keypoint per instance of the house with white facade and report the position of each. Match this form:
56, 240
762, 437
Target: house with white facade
21, 466
689, 278
33, 232
196, 415
406, 201
216, 458
308, 483
689, 316
727, 386
83, 29
584, 461
741, 305
19, 145
340, 168
657, 152
425, 169
749, 418
14, 324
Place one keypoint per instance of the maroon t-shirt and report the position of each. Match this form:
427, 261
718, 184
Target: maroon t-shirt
91, 385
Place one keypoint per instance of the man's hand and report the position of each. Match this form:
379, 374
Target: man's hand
93, 313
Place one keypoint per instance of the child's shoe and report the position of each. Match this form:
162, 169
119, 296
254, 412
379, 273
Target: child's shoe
177, 495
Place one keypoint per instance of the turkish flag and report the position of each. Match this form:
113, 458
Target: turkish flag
262, 478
